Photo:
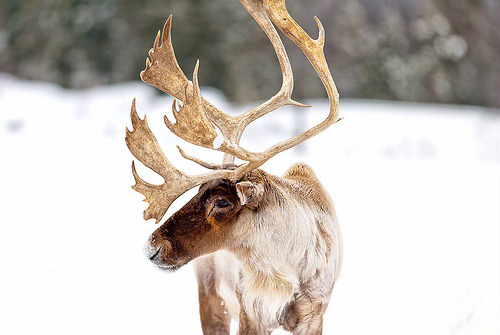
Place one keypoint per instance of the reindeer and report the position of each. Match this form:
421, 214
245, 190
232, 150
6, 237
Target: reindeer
267, 250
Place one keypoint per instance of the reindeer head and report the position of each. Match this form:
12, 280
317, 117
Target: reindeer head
204, 224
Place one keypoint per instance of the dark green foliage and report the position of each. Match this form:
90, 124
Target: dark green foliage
413, 50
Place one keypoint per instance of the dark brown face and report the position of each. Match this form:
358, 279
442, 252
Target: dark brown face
202, 226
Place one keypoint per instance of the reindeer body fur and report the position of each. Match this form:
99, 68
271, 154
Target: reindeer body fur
282, 260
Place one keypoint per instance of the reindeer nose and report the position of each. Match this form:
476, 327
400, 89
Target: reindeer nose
156, 254
156, 249
150, 250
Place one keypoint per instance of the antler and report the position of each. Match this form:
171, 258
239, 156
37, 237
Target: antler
144, 146
196, 118
313, 49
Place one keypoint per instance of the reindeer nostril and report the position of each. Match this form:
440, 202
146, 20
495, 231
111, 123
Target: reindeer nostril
156, 254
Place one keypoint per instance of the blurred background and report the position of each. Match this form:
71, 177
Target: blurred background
413, 168
409, 50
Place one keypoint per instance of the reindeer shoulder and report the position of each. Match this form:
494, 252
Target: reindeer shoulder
311, 190
301, 171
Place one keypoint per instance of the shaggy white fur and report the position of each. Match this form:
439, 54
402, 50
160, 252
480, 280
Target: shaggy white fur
284, 249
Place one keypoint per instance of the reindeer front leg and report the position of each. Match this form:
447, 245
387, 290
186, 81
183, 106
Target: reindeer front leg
250, 327
305, 316
214, 318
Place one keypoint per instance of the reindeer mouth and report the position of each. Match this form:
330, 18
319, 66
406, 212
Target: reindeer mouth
168, 268
158, 259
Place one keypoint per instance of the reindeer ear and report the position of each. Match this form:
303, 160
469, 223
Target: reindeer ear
250, 193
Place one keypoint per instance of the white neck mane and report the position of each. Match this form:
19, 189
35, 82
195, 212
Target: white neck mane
282, 248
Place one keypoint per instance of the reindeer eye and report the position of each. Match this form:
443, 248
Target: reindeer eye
221, 203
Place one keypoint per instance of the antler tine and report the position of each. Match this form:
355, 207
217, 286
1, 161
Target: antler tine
144, 146
192, 122
313, 50
206, 165
163, 71
283, 97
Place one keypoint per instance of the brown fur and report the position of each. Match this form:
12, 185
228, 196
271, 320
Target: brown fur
214, 316
197, 228
247, 326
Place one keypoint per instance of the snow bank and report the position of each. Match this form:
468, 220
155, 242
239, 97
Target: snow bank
417, 190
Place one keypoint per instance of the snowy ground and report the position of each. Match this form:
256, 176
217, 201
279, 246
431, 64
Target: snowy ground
417, 190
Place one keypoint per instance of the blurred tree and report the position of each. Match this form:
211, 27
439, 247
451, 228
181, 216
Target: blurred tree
413, 50
474, 48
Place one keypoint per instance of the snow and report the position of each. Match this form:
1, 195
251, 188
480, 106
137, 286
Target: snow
416, 187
